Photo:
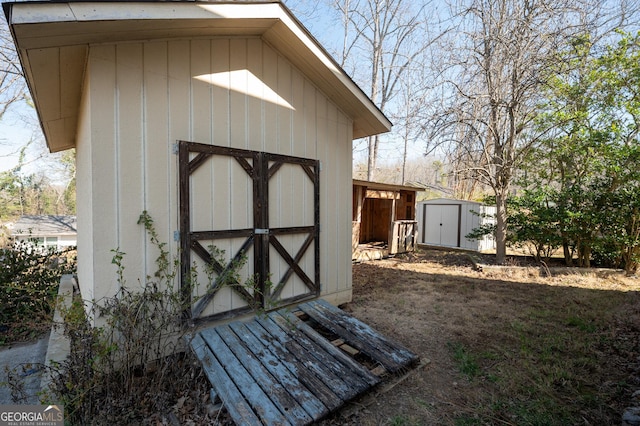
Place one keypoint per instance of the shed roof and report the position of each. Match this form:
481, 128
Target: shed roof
385, 186
450, 201
47, 225
53, 40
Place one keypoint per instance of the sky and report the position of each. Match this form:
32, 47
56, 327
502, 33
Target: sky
17, 128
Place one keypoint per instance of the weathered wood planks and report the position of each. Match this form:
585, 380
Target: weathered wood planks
277, 370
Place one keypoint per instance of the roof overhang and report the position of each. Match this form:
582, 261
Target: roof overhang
53, 40
385, 186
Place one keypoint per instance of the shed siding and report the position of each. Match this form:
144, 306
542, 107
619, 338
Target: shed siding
140, 98
84, 210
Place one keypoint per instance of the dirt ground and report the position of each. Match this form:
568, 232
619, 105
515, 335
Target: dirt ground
503, 346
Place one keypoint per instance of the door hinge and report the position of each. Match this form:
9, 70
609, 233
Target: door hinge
261, 231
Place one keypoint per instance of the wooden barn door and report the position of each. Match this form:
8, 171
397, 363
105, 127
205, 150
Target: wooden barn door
252, 221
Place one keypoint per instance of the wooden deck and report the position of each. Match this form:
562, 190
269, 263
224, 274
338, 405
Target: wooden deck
293, 369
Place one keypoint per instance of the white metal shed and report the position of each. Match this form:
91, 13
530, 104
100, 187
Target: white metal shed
446, 222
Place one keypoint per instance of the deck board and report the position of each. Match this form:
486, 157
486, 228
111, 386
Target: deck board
310, 360
261, 402
294, 384
315, 385
390, 354
277, 369
280, 396
240, 410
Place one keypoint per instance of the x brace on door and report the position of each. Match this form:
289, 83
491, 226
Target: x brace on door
260, 167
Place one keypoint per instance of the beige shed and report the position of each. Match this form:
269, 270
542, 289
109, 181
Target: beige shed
226, 121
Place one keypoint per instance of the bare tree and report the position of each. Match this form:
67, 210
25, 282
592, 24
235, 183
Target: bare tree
499, 62
382, 43
12, 85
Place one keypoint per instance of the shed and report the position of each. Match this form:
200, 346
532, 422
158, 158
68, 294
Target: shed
446, 222
48, 230
226, 121
384, 219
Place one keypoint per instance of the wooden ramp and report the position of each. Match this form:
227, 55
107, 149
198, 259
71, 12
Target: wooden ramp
293, 369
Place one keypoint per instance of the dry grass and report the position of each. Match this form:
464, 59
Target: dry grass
507, 346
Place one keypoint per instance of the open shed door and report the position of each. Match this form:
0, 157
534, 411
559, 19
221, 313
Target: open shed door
252, 221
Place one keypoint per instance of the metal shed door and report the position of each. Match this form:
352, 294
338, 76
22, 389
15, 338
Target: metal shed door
442, 224
255, 235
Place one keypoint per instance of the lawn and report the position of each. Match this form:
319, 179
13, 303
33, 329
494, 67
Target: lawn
505, 346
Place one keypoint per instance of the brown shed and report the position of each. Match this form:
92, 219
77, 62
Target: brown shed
384, 219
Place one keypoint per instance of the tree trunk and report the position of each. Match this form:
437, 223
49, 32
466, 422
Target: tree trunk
568, 254
586, 253
501, 227
371, 161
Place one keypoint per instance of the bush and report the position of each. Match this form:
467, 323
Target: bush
29, 278
134, 368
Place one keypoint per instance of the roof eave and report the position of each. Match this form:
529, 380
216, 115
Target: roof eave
66, 30
385, 186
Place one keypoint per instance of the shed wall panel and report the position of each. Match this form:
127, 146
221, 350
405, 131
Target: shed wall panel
270, 79
105, 174
255, 129
158, 191
220, 92
231, 92
84, 191
344, 189
331, 198
284, 116
238, 96
130, 145
200, 108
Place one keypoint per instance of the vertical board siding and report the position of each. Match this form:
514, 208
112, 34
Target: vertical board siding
236, 92
201, 99
284, 112
131, 164
220, 93
238, 78
325, 185
270, 79
311, 151
104, 166
84, 179
158, 191
255, 110
178, 87
345, 195
332, 199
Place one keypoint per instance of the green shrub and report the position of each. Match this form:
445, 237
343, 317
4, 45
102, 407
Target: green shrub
29, 278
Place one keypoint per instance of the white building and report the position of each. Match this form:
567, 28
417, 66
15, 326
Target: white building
446, 222
48, 230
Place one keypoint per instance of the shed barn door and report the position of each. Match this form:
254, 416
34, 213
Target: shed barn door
252, 221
